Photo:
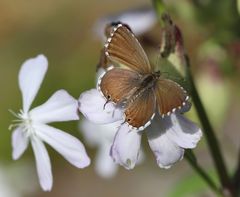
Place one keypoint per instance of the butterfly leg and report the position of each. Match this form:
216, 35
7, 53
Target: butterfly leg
107, 101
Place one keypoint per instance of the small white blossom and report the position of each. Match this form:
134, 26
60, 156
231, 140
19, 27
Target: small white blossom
32, 125
167, 137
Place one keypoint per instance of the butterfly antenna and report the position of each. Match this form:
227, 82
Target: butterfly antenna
174, 77
104, 106
181, 79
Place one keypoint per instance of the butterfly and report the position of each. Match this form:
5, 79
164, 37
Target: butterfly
133, 84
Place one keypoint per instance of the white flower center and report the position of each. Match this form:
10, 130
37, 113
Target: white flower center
24, 121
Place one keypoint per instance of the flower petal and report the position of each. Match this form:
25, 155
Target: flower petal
131, 17
95, 134
43, 164
184, 132
59, 107
126, 146
105, 166
91, 104
19, 143
165, 150
68, 146
30, 79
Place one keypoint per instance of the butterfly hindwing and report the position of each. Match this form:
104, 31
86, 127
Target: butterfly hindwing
170, 96
118, 84
141, 109
122, 47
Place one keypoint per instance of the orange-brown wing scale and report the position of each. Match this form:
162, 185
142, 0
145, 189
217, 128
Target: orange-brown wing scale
123, 48
170, 96
141, 110
118, 84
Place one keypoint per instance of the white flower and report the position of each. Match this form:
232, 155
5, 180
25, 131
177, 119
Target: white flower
32, 125
134, 18
167, 137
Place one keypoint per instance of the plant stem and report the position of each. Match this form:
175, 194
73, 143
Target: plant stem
210, 136
225, 180
201, 172
236, 177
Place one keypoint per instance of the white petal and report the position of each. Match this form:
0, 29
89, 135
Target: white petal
19, 143
91, 104
105, 166
126, 146
90, 132
43, 164
95, 134
165, 150
183, 132
59, 107
30, 79
68, 146
134, 18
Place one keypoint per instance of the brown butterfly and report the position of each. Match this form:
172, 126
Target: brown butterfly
134, 84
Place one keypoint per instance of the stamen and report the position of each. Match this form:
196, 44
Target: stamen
15, 114
11, 126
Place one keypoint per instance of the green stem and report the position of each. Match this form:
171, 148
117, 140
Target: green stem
210, 136
192, 161
212, 141
236, 177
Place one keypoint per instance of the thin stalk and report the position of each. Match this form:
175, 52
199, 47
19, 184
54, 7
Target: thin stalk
210, 136
202, 173
236, 177
212, 141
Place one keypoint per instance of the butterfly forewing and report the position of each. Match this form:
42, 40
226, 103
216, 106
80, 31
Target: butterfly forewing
123, 48
140, 110
118, 84
170, 96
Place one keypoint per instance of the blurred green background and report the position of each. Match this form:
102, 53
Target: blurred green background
63, 31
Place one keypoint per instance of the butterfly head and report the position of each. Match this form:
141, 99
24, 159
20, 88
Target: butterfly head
157, 74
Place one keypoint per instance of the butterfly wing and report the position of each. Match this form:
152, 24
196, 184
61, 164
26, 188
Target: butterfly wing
170, 96
123, 48
118, 84
141, 110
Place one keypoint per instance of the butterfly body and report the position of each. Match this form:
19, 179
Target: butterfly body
149, 80
133, 84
